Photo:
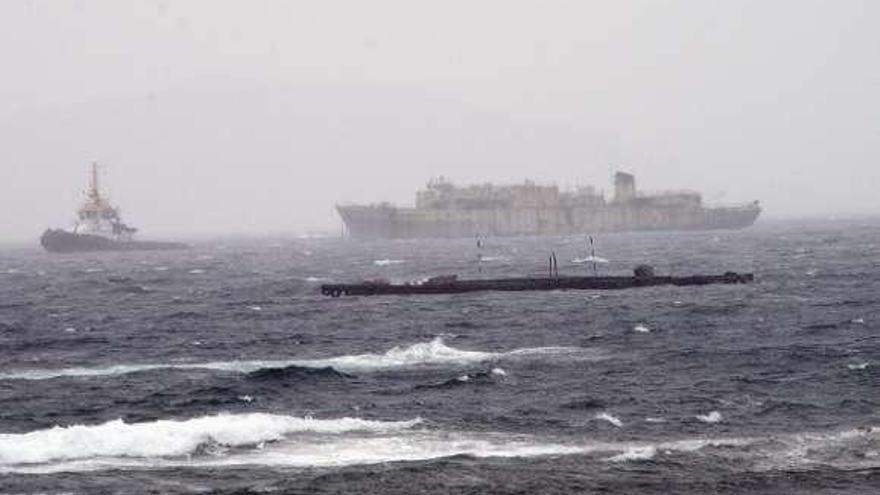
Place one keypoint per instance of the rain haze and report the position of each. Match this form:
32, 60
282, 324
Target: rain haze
221, 117
703, 319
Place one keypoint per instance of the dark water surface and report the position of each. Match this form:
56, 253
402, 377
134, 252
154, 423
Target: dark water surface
223, 370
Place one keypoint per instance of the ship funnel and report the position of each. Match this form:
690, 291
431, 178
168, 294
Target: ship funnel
624, 187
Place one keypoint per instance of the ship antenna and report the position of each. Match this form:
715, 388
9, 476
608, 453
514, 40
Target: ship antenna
94, 191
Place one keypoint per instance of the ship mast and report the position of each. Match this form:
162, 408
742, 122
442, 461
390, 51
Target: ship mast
94, 192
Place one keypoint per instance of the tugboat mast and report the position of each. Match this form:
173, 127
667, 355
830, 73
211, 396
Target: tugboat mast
94, 193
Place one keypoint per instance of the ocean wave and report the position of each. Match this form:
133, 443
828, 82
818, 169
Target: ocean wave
585, 403
169, 438
712, 417
855, 448
610, 418
294, 372
644, 453
475, 378
494, 258
386, 262
589, 259
285, 441
432, 353
389, 442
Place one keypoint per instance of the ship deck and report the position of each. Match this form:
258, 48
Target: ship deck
530, 284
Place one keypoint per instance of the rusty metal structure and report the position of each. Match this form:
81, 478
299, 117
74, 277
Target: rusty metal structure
450, 284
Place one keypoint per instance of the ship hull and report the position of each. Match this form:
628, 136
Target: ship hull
388, 222
62, 241
531, 284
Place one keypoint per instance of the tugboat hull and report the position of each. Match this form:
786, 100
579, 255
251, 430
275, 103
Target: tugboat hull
62, 241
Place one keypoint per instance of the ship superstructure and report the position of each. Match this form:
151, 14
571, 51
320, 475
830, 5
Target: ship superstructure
98, 217
443, 209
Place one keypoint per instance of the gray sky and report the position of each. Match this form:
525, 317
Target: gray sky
257, 116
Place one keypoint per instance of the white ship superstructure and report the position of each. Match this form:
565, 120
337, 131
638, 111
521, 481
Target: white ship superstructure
98, 217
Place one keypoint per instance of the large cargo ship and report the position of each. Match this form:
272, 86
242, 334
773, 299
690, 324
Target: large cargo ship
99, 227
446, 210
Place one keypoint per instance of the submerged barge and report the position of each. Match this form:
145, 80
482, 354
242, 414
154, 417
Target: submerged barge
450, 284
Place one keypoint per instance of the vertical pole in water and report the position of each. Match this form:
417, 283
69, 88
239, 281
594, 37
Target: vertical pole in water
593, 257
554, 264
551, 265
479, 254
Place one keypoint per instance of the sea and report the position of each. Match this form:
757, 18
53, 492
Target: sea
222, 369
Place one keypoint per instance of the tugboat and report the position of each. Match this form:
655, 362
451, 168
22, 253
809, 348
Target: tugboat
99, 228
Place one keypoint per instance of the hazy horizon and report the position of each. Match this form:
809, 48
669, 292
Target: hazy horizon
256, 118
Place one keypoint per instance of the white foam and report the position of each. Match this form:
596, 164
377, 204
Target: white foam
589, 259
286, 441
196, 271
643, 453
499, 372
551, 351
121, 369
386, 262
846, 449
857, 366
712, 417
424, 353
641, 328
432, 353
611, 419
166, 438
315, 450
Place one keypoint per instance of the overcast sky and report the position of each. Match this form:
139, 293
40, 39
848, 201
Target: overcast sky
258, 116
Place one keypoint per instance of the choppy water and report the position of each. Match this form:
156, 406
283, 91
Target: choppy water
223, 370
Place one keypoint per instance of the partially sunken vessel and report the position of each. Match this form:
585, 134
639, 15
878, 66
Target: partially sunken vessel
99, 227
446, 210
